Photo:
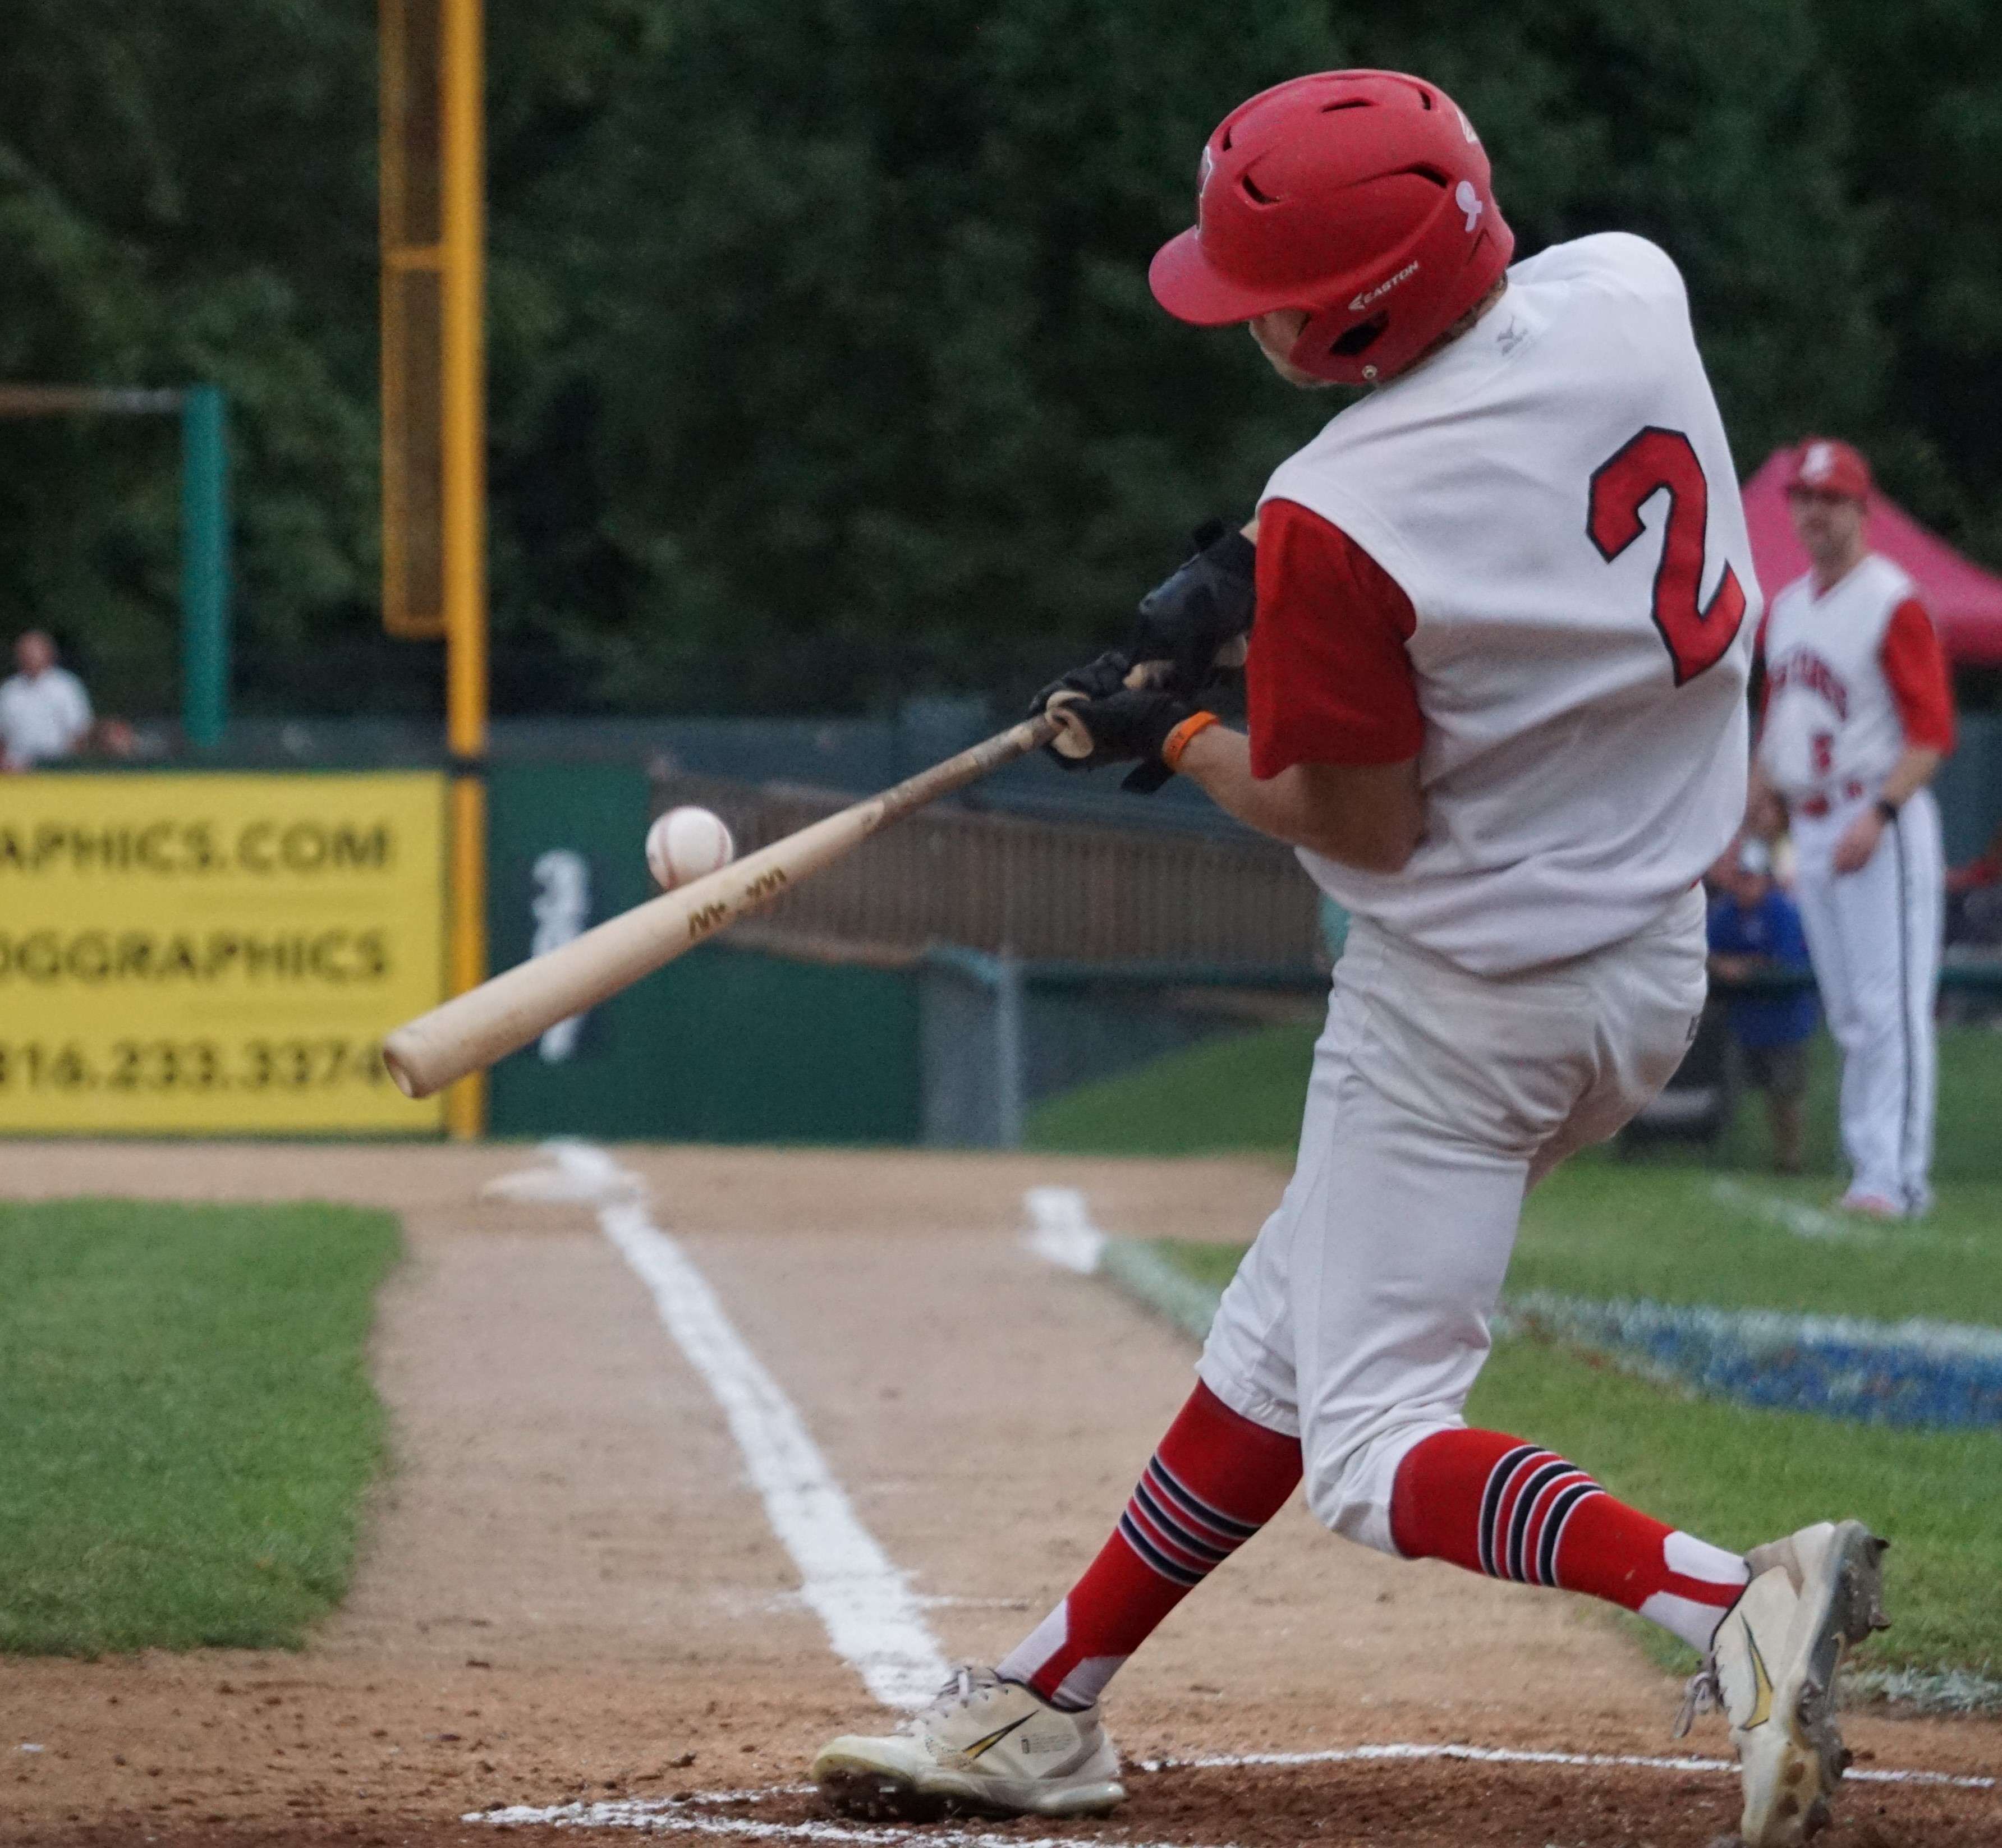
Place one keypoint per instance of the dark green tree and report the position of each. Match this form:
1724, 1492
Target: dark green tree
879, 386
823, 367
187, 192
1921, 85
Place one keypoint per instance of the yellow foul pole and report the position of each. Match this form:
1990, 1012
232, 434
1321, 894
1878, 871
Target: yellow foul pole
434, 420
465, 511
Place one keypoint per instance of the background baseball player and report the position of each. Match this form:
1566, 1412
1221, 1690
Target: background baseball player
1857, 717
1496, 698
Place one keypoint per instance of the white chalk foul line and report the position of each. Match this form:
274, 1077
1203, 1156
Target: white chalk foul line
870, 1615
1501, 1755
1803, 1221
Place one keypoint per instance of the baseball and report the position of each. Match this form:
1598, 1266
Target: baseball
684, 844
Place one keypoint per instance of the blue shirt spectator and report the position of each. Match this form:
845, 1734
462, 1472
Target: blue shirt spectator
1752, 918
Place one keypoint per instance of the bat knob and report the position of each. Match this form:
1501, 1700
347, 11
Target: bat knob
1071, 740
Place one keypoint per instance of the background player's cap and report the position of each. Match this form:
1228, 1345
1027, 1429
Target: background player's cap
1825, 466
1359, 196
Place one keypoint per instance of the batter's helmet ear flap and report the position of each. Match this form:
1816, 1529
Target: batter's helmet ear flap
1360, 338
1360, 197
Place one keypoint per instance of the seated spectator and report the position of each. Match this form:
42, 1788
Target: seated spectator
1974, 898
45, 712
114, 738
1755, 930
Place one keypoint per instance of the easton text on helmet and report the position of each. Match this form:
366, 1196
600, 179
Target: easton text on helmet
1383, 288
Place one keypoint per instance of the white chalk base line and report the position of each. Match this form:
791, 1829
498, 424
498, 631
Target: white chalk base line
871, 1615
872, 1618
1502, 1755
659, 1819
683, 1815
1060, 1231
679, 1815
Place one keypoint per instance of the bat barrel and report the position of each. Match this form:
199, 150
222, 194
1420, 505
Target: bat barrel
503, 1014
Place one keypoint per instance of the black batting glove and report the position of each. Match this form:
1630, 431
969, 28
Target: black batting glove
1094, 680
1196, 620
1128, 726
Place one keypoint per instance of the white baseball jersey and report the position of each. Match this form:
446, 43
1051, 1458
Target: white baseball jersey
1553, 492
1832, 715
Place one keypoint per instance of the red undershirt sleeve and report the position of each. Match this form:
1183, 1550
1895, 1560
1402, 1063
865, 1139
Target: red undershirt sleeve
1328, 679
1915, 667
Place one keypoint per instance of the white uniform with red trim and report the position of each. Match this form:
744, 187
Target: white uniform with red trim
1832, 721
1572, 788
1834, 726
1553, 495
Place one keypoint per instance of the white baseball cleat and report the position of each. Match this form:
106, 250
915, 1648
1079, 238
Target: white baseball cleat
985, 1745
1772, 1668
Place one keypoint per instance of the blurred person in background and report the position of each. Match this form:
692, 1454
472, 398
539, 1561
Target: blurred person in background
1974, 898
1856, 717
1755, 930
45, 712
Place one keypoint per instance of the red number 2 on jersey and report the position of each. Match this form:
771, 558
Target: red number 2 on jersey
1695, 637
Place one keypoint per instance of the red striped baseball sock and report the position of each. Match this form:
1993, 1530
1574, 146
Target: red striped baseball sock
1497, 1505
1215, 1481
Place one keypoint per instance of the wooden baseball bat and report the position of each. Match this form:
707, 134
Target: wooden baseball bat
504, 1013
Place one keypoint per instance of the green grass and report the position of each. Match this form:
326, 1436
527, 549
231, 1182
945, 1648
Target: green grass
1241, 1091
1738, 1475
189, 1422
1243, 1095
1601, 1227
1604, 1230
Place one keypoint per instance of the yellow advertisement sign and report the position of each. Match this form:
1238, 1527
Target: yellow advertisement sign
213, 955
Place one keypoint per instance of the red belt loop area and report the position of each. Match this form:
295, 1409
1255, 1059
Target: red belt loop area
1815, 807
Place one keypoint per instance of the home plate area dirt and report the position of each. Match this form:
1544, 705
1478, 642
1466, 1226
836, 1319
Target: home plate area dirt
575, 1617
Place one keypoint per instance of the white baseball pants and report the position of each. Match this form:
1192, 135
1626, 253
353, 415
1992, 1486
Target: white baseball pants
1358, 1318
1874, 935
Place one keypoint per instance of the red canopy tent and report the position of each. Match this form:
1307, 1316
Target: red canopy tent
1965, 600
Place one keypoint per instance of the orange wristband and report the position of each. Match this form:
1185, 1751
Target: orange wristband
1177, 740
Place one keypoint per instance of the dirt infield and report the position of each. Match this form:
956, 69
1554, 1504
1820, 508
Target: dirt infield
572, 1594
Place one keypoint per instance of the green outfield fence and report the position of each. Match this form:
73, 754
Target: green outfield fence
842, 1015
724, 1045
918, 993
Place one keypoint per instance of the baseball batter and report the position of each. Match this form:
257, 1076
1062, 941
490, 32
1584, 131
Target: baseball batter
1505, 607
1857, 717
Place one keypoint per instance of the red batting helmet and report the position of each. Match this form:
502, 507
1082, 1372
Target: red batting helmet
1362, 197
